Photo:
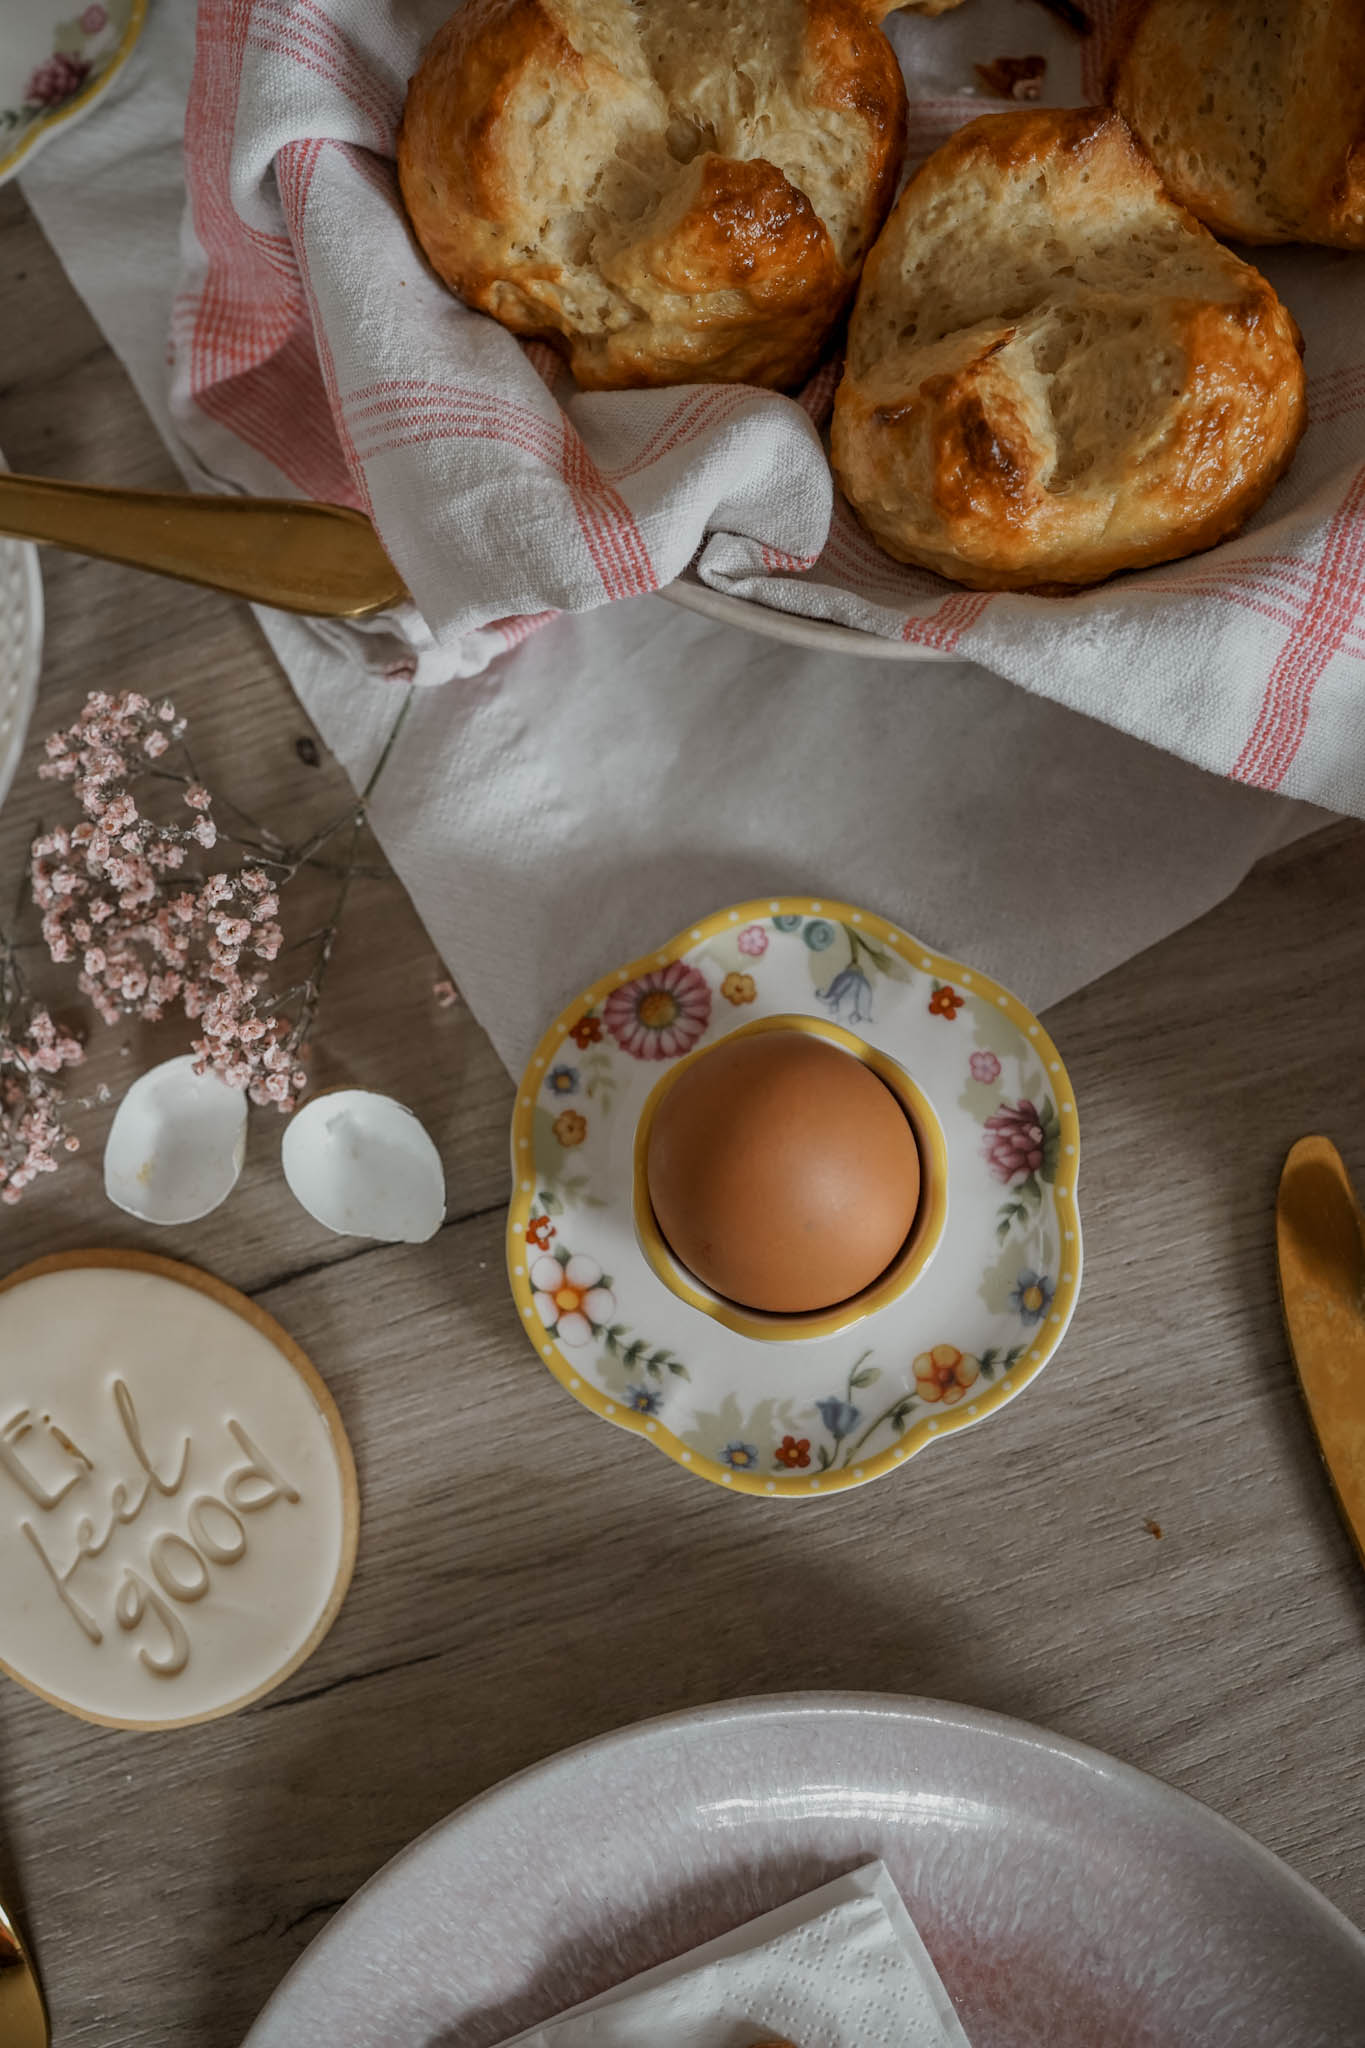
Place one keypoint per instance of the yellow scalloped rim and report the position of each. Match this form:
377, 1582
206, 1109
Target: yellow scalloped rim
928, 1429
909, 1262
42, 129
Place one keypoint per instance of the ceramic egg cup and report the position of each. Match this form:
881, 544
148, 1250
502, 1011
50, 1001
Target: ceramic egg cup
798, 1407
914, 1255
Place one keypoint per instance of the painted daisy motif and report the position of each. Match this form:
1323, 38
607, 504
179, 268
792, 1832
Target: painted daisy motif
571, 1297
662, 1014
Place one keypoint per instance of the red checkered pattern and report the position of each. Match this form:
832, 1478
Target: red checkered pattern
252, 361
313, 352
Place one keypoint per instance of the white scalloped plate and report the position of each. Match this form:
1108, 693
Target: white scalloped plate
796, 1419
1067, 1900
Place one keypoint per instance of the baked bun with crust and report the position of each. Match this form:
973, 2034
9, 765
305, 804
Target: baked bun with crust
1254, 116
1054, 372
669, 190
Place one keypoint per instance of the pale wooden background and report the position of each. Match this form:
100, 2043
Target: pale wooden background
526, 1579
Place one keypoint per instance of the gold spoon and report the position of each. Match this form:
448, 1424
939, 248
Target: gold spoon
23, 2015
294, 554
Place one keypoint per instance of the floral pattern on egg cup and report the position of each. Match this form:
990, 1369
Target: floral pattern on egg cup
830, 1412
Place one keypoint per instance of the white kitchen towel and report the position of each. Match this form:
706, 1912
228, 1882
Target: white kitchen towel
843, 1967
314, 351
628, 769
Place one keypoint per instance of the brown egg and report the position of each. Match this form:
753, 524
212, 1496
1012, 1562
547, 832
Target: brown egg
782, 1172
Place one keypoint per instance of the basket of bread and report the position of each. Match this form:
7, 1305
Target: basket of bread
1013, 330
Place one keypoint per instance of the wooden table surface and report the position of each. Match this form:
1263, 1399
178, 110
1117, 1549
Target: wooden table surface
525, 1581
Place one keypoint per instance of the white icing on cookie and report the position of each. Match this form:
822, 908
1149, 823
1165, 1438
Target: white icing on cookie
177, 1501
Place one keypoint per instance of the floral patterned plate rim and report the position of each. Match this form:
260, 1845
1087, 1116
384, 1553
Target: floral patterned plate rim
817, 1416
56, 58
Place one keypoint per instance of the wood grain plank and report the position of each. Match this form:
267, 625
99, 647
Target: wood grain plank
527, 1576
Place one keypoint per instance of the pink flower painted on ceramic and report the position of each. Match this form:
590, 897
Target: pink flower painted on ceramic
125, 900
1015, 1142
58, 78
985, 1066
93, 20
662, 1014
753, 940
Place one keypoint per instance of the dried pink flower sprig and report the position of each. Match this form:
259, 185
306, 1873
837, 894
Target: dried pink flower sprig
124, 899
32, 1050
146, 929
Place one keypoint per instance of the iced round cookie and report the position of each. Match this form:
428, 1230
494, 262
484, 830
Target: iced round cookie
178, 1505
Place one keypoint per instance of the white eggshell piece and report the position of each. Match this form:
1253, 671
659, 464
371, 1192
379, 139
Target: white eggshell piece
363, 1166
176, 1145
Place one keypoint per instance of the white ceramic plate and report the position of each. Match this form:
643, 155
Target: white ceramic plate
56, 58
21, 648
1068, 1901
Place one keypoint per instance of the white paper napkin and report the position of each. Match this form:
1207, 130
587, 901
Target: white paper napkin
843, 1967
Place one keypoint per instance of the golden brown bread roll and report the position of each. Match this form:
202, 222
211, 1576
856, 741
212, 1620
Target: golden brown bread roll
1255, 116
1054, 372
670, 191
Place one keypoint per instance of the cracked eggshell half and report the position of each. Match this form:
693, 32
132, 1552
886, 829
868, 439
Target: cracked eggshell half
176, 1145
363, 1166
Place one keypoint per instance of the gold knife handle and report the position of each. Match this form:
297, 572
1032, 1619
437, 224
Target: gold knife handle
295, 555
1320, 1239
23, 2012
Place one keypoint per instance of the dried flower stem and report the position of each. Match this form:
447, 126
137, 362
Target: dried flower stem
32, 1050
148, 932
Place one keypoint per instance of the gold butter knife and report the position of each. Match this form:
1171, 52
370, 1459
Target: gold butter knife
294, 554
23, 2015
1320, 1238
